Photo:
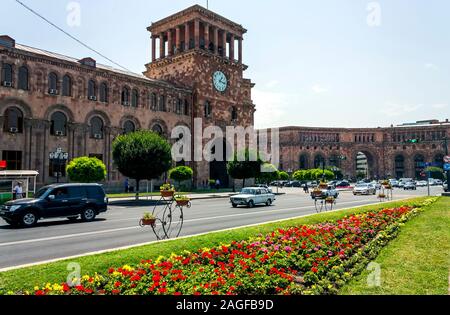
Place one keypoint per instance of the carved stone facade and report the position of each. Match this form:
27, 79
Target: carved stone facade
98, 102
389, 151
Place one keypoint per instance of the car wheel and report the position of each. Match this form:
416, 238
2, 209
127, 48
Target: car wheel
72, 219
269, 202
88, 215
234, 205
251, 204
29, 219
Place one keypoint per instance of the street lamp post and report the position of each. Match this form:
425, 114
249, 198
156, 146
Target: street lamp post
445, 144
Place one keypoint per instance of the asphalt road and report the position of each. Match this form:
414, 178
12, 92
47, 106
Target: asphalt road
54, 239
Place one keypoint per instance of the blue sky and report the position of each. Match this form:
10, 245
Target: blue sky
315, 62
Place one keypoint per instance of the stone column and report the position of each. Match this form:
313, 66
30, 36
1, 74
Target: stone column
216, 40
153, 48
162, 45
206, 36
187, 36
240, 50
170, 45
177, 40
197, 33
232, 47
224, 43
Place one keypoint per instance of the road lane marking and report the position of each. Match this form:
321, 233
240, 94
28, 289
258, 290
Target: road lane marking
46, 239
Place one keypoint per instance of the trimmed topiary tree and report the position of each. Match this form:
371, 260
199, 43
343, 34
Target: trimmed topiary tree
269, 174
283, 175
244, 169
181, 174
142, 155
86, 170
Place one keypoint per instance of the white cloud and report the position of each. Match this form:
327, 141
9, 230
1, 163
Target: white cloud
318, 89
431, 66
392, 109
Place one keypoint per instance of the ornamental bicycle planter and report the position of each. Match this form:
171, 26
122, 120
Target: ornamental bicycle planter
167, 217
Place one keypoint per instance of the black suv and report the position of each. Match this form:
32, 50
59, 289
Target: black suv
57, 201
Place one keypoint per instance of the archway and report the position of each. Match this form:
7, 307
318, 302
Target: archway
418, 166
303, 163
365, 165
319, 161
218, 169
399, 166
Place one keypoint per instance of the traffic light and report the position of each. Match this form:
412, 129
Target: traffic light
414, 141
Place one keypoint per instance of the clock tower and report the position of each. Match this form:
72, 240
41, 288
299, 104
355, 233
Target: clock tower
201, 50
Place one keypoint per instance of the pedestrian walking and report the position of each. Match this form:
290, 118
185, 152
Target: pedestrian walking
127, 186
18, 191
218, 184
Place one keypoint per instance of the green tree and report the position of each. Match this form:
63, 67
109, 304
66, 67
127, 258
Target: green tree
181, 174
244, 169
86, 170
142, 155
269, 174
283, 175
435, 172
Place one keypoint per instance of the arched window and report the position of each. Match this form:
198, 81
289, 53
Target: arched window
154, 101
53, 83
303, 162
104, 93
58, 124
207, 109
7, 75
125, 96
23, 78
13, 120
67, 86
129, 127
158, 129
234, 114
179, 106
162, 103
135, 98
319, 161
96, 128
92, 90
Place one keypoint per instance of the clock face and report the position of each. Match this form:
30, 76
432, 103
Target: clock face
220, 81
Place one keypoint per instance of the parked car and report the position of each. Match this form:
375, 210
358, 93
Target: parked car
57, 201
410, 186
445, 186
376, 184
253, 196
438, 182
343, 184
422, 183
394, 183
330, 191
364, 189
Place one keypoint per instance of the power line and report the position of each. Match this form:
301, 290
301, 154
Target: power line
71, 36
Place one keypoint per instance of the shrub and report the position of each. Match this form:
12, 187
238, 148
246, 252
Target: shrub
86, 170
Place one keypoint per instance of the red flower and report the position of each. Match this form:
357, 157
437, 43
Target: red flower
162, 290
117, 284
314, 269
40, 292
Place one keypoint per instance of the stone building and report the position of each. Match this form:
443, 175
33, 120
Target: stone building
50, 101
390, 152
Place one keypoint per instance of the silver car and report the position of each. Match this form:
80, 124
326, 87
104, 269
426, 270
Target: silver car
364, 189
253, 196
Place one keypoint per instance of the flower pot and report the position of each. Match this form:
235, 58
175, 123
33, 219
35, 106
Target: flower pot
148, 222
317, 193
167, 193
381, 196
183, 203
330, 201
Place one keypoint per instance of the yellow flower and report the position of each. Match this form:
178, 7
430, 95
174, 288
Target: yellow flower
116, 274
127, 268
160, 258
36, 288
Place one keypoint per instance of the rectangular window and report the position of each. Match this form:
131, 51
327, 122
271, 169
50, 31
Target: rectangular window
13, 160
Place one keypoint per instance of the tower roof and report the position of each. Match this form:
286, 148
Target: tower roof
196, 12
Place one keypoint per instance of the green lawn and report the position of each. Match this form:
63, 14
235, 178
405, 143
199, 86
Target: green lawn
418, 261
56, 272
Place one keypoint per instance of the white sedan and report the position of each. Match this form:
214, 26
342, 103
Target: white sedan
251, 197
364, 189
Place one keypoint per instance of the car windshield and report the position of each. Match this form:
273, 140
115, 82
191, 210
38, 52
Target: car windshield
41, 192
362, 186
247, 191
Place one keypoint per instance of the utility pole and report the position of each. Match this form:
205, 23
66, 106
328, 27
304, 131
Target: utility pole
446, 154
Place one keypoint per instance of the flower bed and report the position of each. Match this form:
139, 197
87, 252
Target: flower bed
316, 259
